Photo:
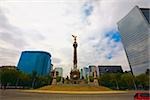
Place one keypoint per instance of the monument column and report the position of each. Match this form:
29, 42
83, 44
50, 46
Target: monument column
75, 74
75, 45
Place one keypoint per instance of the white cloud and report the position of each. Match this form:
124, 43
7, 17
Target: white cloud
48, 25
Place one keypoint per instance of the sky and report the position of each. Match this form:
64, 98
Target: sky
48, 25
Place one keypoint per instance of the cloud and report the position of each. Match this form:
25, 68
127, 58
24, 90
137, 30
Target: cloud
3, 19
48, 26
9, 33
114, 35
103, 42
13, 41
56, 60
87, 9
8, 56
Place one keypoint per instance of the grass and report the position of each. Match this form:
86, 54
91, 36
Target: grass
74, 88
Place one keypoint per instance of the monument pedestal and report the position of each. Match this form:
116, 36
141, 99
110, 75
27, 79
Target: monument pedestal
75, 76
54, 82
95, 82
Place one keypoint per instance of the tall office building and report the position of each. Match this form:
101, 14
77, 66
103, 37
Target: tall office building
135, 33
85, 72
38, 61
59, 70
102, 69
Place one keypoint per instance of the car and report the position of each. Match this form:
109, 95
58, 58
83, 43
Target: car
142, 96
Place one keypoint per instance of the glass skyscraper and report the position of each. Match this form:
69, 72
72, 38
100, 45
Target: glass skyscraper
38, 61
135, 33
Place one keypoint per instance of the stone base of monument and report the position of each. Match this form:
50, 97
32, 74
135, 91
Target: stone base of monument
66, 82
75, 81
83, 82
75, 76
94, 83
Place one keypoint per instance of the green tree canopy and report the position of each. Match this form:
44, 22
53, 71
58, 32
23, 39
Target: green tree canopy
91, 78
143, 80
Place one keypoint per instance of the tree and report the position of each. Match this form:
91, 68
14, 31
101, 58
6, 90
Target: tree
114, 79
58, 78
8, 77
24, 80
127, 80
143, 81
33, 77
91, 78
147, 72
109, 80
14, 77
42, 81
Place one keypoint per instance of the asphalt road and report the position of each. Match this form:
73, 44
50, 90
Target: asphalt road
18, 95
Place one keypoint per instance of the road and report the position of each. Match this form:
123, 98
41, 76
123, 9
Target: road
19, 95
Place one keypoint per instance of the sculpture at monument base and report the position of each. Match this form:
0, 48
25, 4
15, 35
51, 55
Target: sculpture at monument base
95, 81
54, 82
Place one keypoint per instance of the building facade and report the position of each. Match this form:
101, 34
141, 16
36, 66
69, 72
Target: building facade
109, 69
85, 72
59, 70
38, 61
81, 73
135, 34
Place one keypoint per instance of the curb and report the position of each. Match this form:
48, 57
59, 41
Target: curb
74, 92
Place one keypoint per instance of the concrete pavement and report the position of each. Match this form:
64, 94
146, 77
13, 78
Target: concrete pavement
22, 95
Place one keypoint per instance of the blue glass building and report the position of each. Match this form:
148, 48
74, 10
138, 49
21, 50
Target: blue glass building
38, 61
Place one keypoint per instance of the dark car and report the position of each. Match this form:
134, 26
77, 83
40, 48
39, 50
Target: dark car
142, 96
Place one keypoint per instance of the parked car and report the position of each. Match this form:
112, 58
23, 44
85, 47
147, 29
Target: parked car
142, 96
